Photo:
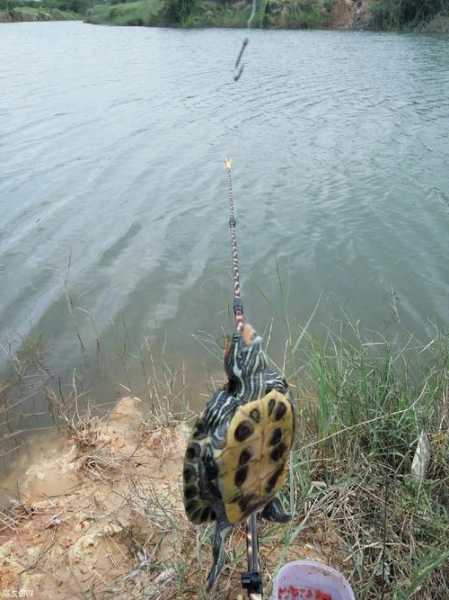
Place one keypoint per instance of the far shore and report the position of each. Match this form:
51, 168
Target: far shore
149, 13
28, 14
335, 15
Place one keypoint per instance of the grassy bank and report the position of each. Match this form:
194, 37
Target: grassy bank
28, 13
409, 15
157, 13
143, 12
273, 14
42, 10
269, 14
369, 403
362, 404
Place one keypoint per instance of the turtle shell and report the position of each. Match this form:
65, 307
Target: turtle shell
243, 474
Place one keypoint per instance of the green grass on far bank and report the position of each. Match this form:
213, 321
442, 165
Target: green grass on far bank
142, 12
299, 14
432, 15
42, 10
409, 15
152, 13
30, 13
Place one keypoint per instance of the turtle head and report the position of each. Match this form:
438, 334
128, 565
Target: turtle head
244, 355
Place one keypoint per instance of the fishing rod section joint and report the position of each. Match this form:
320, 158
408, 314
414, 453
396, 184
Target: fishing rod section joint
239, 70
252, 582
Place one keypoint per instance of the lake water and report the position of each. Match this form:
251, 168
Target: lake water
112, 189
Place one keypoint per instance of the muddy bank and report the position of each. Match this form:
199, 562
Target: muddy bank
351, 14
100, 512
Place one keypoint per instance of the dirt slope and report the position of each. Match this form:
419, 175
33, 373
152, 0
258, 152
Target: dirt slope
100, 515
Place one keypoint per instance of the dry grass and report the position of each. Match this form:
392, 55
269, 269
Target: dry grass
361, 405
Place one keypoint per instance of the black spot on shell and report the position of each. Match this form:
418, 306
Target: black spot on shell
255, 415
205, 515
211, 470
277, 452
276, 437
240, 476
273, 479
188, 474
190, 492
271, 403
193, 451
243, 431
244, 457
280, 411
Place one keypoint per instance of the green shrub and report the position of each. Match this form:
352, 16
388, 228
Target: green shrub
298, 14
178, 11
143, 12
397, 14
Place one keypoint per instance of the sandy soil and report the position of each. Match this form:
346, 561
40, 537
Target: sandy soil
100, 515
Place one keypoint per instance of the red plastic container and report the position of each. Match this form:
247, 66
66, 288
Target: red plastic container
309, 580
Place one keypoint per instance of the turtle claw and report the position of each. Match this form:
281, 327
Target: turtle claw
273, 512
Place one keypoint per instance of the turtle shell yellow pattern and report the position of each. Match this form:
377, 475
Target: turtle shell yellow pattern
252, 466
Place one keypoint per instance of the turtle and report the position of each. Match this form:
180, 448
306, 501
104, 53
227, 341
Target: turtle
236, 459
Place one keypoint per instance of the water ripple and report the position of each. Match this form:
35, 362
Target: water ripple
113, 156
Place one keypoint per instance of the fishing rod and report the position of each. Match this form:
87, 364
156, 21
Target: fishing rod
237, 300
238, 68
251, 580
297, 576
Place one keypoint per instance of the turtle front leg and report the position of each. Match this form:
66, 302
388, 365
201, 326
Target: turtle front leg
273, 511
220, 535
